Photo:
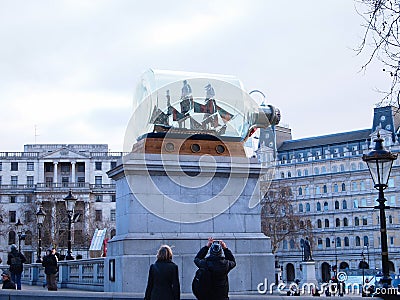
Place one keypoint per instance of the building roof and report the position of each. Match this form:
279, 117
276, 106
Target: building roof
325, 140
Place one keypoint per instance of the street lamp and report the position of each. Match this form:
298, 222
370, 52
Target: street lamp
70, 204
40, 219
336, 258
380, 163
19, 226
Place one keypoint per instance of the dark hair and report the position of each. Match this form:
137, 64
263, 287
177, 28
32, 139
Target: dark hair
164, 253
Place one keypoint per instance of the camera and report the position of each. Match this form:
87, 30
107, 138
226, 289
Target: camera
215, 243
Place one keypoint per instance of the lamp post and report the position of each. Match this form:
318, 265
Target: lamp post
40, 219
380, 163
70, 204
336, 261
19, 226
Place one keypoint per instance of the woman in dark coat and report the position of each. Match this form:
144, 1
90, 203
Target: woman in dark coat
163, 281
219, 265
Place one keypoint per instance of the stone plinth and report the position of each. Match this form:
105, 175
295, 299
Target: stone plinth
308, 272
181, 201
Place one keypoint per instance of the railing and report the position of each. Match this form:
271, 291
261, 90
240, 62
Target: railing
82, 274
52, 185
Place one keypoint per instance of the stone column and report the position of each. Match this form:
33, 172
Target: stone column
55, 175
73, 174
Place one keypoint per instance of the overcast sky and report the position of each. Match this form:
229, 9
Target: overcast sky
69, 68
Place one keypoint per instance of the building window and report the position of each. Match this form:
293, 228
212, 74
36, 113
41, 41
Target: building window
390, 220
14, 180
344, 204
319, 223
65, 169
323, 170
337, 221
12, 216
98, 181
300, 207
335, 188
49, 181
363, 202
28, 199
97, 165
29, 181
338, 242
358, 241
113, 164
99, 198
353, 167
1, 166
345, 222
356, 221
14, 166
308, 208
289, 174
291, 244
355, 203
362, 186
354, 186
318, 206
81, 181
336, 204
299, 173
326, 223
0, 180
300, 191
13, 199
319, 243
305, 172
11, 237
342, 169
334, 169
65, 181
317, 190
391, 241
346, 242
343, 187
326, 206
327, 243
284, 244
30, 166
365, 221
113, 198
316, 171
325, 189
80, 167
366, 241
98, 215
49, 167
112, 215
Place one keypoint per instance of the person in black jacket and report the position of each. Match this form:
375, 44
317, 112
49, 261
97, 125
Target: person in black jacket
163, 281
50, 263
16, 260
218, 265
7, 283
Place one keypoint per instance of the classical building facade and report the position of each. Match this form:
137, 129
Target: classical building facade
332, 189
42, 176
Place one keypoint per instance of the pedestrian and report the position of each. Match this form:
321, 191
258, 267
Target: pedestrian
16, 260
7, 283
163, 280
50, 264
219, 266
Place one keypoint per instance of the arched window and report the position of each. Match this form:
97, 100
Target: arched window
336, 204
325, 189
327, 242
366, 240
343, 187
316, 171
308, 208
323, 170
11, 237
345, 222
301, 224
365, 221
307, 191
362, 185
355, 203
390, 219
319, 223
344, 204
338, 242
353, 167
289, 174
334, 169
346, 242
337, 221
308, 223
358, 241
342, 169
335, 188
356, 221
300, 207
319, 242
306, 172
326, 206
300, 191
282, 175
354, 186
299, 173
317, 190
361, 165
326, 223
318, 206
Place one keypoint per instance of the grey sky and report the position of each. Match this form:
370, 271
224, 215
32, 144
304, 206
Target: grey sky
70, 67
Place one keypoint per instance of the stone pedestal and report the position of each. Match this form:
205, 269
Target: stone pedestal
181, 201
308, 272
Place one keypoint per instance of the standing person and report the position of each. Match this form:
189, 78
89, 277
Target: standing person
163, 281
49, 263
16, 260
219, 267
7, 283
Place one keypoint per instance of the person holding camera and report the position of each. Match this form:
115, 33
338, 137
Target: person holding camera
218, 265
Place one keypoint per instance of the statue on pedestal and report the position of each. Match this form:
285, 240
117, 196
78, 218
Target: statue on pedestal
307, 250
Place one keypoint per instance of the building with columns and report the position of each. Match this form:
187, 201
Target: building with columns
41, 176
332, 189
